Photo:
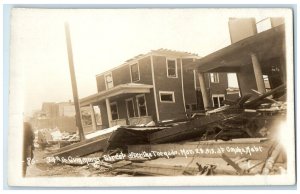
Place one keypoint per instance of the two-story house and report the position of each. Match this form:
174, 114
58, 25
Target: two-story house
153, 87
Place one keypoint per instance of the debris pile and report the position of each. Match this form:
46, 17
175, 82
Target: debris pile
238, 138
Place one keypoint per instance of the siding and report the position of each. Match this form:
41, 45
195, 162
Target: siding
163, 83
145, 71
188, 82
121, 75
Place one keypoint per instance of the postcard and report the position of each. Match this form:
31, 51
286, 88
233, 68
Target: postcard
151, 97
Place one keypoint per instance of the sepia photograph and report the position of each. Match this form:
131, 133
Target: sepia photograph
151, 97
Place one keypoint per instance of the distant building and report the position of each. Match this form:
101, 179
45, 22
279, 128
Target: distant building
55, 115
50, 109
155, 86
66, 109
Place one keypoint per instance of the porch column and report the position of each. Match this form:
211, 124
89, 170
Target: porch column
258, 74
203, 90
108, 112
94, 124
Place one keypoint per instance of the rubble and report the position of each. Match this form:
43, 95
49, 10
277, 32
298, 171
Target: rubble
239, 136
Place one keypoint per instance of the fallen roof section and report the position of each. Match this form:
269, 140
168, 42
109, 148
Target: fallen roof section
266, 45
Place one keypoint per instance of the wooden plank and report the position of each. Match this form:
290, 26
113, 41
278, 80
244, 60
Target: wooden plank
233, 164
187, 130
85, 147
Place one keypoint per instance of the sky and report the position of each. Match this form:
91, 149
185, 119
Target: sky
102, 39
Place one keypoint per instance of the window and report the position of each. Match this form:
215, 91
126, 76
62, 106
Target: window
218, 100
114, 111
214, 77
166, 96
267, 83
108, 81
135, 73
171, 68
187, 107
130, 108
141, 104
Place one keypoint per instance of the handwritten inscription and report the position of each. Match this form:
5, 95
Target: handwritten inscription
237, 150
199, 151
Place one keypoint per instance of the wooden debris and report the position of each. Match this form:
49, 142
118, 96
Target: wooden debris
271, 160
233, 164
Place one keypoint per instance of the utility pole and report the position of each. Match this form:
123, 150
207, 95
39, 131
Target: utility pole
74, 84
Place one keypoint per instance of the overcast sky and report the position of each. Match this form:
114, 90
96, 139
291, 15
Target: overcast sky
103, 39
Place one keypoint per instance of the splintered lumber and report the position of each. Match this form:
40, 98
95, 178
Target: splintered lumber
233, 164
158, 170
259, 100
129, 136
271, 160
192, 129
85, 147
120, 164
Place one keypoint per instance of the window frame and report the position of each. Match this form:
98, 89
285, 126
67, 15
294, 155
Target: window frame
127, 100
139, 75
105, 81
218, 96
217, 78
137, 104
167, 92
114, 103
176, 68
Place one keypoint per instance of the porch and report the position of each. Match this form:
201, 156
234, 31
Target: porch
124, 104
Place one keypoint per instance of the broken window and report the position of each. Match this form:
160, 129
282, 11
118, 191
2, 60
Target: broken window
166, 96
141, 104
130, 108
171, 68
135, 73
109, 81
214, 77
218, 100
114, 111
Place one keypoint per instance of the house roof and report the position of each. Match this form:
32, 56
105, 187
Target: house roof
123, 89
266, 45
159, 52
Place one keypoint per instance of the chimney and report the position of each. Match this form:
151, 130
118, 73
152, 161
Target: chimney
241, 28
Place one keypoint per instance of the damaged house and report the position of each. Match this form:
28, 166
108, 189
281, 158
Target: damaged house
153, 87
